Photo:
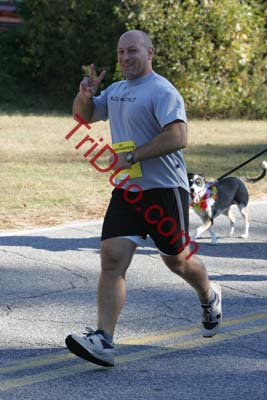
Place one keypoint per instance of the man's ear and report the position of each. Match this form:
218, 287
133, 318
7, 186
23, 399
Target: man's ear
150, 52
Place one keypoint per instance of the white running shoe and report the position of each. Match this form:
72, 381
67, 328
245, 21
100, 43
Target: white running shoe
92, 347
212, 313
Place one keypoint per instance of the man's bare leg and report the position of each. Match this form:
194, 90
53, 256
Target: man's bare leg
192, 271
116, 255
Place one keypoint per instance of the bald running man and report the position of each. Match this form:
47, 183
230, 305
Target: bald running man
148, 111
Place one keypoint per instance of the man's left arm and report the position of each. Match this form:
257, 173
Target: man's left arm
172, 138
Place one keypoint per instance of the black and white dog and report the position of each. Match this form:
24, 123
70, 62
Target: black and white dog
211, 199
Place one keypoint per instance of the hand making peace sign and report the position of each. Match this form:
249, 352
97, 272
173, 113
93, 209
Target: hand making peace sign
89, 84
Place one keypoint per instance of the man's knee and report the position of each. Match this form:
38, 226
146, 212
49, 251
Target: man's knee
176, 263
110, 251
116, 254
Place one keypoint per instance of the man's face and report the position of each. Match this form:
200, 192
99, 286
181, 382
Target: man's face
134, 57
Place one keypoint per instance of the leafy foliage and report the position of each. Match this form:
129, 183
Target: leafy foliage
57, 39
213, 51
210, 50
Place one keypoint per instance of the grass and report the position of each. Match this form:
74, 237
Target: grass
46, 181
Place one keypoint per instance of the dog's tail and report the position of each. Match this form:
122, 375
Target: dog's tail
261, 176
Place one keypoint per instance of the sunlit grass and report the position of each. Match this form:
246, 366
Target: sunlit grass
45, 180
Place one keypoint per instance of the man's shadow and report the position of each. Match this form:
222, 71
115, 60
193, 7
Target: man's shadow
63, 244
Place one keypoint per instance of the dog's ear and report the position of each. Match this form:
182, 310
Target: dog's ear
203, 175
190, 177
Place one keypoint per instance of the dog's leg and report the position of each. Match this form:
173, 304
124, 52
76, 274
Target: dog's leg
213, 235
232, 219
244, 212
207, 224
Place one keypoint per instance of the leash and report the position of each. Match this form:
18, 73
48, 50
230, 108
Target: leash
241, 165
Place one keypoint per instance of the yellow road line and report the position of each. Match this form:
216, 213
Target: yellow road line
164, 336
39, 361
222, 337
34, 362
53, 359
247, 318
134, 356
183, 332
191, 344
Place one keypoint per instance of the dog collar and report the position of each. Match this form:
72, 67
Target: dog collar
207, 200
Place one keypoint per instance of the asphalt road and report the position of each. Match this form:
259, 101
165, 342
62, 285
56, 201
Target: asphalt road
48, 286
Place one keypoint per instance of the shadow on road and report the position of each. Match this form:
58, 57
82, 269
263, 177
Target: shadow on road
62, 244
248, 250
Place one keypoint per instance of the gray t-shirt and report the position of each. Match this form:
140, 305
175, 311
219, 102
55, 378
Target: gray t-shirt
138, 110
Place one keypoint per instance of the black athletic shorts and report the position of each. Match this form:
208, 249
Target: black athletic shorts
163, 214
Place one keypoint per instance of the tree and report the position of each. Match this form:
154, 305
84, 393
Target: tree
58, 39
208, 49
213, 51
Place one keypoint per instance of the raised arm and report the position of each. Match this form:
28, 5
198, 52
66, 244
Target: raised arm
83, 104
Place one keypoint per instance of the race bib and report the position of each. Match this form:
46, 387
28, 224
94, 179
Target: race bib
135, 171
